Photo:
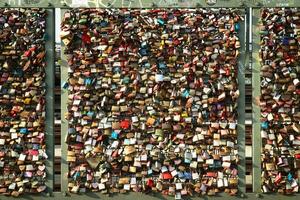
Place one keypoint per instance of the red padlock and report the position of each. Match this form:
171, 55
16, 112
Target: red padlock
297, 156
150, 183
278, 178
125, 124
86, 38
167, 175
27, 53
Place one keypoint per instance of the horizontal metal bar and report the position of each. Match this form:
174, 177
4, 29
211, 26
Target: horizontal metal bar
135, 195
147, 3
30, 3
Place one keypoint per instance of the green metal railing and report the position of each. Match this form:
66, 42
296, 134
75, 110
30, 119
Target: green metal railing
256, 138
241, 107
64, 122
249, 44
147, 3
50, 52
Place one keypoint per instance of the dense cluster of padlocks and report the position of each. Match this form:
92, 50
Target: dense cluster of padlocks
152, 100
22, 101
280, 99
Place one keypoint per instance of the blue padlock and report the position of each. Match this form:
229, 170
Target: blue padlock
24, 130
143, 52
161, 65
290, 177
126, 80
88, 81
65, 85
76, 175
186, 93
160, 21
187, 175
114, 135
285, 41
71, 130
90, 114
103, 23
264, 125
180, 175
237, 27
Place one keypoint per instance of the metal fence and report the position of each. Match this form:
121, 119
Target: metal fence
249, 111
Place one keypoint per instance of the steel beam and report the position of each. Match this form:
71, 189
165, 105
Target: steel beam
147, 3
256, 138
64, 122
135, 195
49, 122
241, 106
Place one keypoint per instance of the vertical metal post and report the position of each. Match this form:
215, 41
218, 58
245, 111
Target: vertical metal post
256, 137
64, 122
241, 108
50, 73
